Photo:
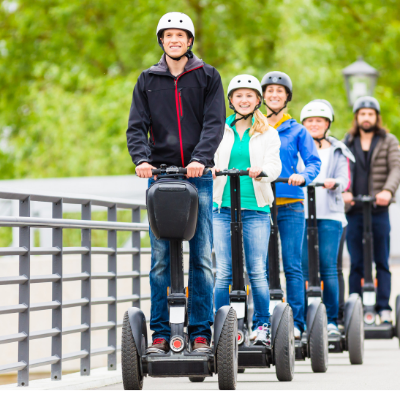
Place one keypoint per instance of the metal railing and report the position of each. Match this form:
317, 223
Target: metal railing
24, 279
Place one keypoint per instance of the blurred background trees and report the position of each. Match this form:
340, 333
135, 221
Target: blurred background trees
68, 67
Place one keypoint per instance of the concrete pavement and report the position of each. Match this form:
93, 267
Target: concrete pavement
380, 371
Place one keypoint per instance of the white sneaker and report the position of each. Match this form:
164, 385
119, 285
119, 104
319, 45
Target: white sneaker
297, 333
333, 330
253, 335
386, 317
263, 335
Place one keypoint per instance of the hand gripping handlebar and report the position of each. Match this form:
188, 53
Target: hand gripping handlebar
173, 170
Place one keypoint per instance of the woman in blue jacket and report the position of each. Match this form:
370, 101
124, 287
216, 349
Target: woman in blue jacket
277, 92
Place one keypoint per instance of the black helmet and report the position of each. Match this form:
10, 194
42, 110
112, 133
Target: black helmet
329, 105
278, 78
366, 102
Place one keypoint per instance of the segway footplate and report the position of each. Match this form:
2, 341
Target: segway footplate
255, 356
178, 365
383, 331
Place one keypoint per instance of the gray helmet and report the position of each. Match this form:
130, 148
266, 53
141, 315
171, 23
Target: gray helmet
328, 104
278, 78
366, 102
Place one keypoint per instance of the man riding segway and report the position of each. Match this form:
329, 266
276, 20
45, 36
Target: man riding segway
375, 173
177, 118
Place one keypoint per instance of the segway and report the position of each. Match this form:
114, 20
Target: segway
172, 205
313, 343
351, 338
369, 286
281, 351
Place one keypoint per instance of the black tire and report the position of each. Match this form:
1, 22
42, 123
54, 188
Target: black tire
355, 335
227, 353
397, 332
319, 341
196, 378
131, 376
241, 370
284, 347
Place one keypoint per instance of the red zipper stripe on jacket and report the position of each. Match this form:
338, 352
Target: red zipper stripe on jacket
180, 103
152, 134
177, 112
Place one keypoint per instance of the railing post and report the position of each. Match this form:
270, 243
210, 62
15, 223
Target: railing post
136, 257
86, 289
56, 317
112, 290
24, 293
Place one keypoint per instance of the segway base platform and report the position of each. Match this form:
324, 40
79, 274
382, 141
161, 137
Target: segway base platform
255, 356
178, 364
383, 331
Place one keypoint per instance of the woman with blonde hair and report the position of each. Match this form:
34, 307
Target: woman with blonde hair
249, 143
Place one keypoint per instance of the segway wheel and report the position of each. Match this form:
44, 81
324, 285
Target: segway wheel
227, 353
398, 317
196, 378
319, 341
284, 347
355, 335
241, 370
131, 376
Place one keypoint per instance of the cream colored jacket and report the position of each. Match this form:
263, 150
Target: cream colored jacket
264, 152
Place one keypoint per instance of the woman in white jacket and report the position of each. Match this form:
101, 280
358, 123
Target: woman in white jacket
249, 143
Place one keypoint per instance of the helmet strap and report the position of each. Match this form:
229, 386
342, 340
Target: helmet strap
233, 123
188, 54
320, 140
275, 112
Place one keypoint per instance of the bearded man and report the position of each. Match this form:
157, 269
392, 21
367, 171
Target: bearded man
376, 172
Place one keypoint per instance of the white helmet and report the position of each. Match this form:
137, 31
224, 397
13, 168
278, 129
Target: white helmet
244, 82
316, 109
175, 20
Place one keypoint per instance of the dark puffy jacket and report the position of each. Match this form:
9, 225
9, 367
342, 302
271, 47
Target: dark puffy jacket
385, 164
176, 120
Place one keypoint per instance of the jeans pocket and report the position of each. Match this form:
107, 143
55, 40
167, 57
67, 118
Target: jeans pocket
262, 213
296, 207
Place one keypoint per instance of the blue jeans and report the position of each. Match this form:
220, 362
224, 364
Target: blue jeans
291, 223
256, 230
381, 252
201, 280
329, 235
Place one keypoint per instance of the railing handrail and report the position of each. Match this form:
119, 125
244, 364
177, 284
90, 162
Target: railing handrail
72, 224
72, 199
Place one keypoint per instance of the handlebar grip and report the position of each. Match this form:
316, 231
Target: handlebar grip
321, 184
240, 172
286, 180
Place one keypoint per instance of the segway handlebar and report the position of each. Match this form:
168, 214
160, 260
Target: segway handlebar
286, 180
238, 172
321, 184
363, 198
173, 171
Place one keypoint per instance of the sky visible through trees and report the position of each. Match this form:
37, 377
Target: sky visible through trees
68, 68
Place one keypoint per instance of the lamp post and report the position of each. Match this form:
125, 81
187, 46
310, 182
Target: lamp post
360, 79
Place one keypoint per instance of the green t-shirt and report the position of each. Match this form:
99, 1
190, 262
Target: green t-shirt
240, 159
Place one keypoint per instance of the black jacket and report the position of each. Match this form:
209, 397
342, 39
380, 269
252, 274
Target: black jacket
176, 120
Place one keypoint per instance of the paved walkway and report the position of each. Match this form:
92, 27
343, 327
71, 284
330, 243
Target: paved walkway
380, 371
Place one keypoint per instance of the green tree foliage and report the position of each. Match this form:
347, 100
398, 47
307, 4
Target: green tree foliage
68, 67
